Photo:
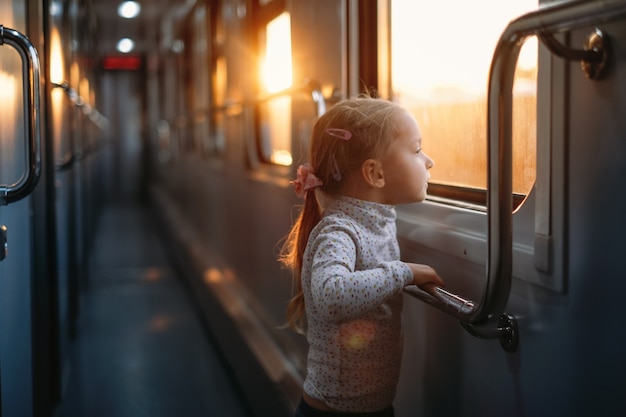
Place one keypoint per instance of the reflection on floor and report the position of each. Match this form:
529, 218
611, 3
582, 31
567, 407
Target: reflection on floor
141, 350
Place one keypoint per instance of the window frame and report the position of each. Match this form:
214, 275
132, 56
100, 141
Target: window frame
379, 13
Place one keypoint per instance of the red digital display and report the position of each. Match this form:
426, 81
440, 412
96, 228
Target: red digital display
125, 62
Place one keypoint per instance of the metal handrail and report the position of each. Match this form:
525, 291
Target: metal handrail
92, 114
30, 79
310, 87
476, 317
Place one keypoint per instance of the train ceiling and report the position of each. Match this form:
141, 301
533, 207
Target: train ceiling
153, 26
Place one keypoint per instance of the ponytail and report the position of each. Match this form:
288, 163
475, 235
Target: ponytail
292, 253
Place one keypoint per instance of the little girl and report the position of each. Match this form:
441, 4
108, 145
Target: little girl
366, 157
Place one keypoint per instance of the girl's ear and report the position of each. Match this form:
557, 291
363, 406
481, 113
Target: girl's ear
372, 171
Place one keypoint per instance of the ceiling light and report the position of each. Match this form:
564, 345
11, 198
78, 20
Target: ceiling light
129, 9
56, 8
125, 45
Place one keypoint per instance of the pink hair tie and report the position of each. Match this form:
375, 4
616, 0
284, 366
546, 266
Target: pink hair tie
305, 180
342, 134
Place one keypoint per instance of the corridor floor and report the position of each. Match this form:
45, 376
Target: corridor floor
141, 350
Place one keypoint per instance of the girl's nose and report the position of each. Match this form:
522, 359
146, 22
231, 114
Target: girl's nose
429, 162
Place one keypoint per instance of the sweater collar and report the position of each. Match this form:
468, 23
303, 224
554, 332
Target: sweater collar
355, 207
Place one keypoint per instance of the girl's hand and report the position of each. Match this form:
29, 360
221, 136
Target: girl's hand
424, 275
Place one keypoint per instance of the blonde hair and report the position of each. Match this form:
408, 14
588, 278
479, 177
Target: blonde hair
371, 123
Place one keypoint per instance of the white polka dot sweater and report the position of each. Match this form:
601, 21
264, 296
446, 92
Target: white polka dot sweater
352, 279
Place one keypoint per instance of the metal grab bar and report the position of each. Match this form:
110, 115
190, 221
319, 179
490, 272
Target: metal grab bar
92, 114
235, 107
70, 158
480, 319
30, 80
444, 300
310, 87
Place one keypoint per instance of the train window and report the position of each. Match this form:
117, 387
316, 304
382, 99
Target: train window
57, 76
440, 65
199, 90
219, 101
275, 108
218, 90
220, 81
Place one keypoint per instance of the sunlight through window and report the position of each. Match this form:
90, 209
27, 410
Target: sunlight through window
277, 75
440, 68
277, 69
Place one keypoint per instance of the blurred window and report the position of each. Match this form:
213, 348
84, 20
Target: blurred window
276, 77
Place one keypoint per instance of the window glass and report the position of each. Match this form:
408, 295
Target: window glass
200, 87
440, 67
220, 74
218, 91
276, 76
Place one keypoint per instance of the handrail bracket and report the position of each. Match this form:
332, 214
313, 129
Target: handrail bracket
505, 330
594, 57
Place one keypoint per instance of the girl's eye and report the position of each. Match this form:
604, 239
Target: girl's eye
419, 150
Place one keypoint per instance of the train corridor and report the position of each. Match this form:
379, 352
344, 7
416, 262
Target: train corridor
141, 349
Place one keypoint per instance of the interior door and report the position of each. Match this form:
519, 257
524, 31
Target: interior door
27, 321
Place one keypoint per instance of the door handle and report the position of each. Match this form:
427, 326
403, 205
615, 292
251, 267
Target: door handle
31, 80
487, 318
